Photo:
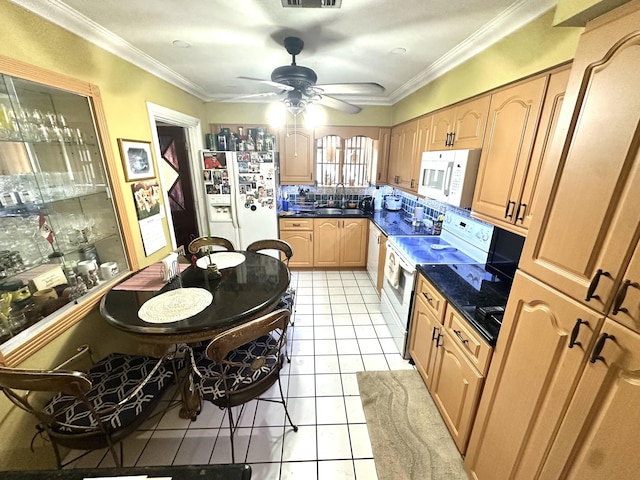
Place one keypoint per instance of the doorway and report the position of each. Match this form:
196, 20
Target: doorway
177, 139
177, 176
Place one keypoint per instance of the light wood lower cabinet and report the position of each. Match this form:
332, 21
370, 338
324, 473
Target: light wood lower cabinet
451, 358
340, 242
299, 234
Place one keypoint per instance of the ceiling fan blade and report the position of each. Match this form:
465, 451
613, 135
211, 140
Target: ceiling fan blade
338, 104
281, 86
350, 88
253, 95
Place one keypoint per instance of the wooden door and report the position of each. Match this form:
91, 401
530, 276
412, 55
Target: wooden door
326, 242
403, 174
441, 127
584, 235
425, 334
296, 157
513, 116
302, 244
455, 390
354, 242
470, 123
599, 436
551, 106
531, 379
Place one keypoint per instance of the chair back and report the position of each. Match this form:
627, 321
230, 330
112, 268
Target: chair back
205, 244
274, 323
272, 244
69, 382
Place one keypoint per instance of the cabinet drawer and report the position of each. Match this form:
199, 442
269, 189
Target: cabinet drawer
462, 334
433, 300
296, 224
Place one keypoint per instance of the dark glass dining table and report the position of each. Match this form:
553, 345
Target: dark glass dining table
244, 292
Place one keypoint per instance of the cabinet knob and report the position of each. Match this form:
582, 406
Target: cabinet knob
594, 284
622, 293
575, 331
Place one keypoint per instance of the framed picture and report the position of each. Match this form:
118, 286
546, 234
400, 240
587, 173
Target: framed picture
136, 159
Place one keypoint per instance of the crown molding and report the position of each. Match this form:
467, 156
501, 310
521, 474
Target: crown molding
69, 19
511, 19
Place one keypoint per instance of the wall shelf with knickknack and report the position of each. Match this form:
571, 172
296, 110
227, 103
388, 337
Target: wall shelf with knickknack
61, 240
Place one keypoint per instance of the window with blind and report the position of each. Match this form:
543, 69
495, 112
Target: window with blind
347, 161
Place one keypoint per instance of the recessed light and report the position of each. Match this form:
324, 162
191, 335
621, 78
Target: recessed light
398, 51
181, 44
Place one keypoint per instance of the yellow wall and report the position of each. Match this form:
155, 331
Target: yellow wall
125, 89
579, 12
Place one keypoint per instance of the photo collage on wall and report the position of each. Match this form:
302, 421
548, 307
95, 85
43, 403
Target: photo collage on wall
256, 179
215, 173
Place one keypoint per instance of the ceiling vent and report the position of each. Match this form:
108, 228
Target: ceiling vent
311, 3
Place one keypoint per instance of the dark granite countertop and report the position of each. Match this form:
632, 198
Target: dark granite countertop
466, 298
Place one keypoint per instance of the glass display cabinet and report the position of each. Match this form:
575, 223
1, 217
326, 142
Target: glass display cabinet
60, 238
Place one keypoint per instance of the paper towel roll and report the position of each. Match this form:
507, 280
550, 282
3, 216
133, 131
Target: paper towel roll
418, 213
169, 266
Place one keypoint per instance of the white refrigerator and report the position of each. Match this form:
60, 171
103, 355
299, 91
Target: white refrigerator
240, 191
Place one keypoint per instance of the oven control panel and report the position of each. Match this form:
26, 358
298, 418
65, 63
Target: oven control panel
470, 230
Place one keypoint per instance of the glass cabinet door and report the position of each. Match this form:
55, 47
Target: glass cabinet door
59, 233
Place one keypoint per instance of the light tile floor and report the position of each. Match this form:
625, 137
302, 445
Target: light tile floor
338, 331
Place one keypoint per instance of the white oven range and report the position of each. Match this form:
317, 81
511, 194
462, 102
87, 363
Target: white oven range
463, 241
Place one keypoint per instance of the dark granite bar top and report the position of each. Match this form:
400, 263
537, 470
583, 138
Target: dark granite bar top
466, 298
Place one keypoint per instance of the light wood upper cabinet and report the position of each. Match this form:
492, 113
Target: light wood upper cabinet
402, 156
382, 165
461, 126
340, 242
513, 117
586, 226
533, 374
299, 234
296, 157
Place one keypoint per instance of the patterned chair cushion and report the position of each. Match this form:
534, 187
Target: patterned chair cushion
112, 378
287, 300
241, 374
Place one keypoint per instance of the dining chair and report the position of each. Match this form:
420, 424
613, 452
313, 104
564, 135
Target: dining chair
206, 244
241, 364
90, 409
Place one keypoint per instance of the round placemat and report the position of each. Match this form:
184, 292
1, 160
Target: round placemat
222, 260
175, 305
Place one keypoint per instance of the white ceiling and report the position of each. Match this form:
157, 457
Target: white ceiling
234, 38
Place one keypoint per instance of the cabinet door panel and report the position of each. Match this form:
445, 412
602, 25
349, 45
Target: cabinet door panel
455, 390
353, 242
470, 123
409, 145
302, 245
395, 155
513, 116
548, 123
326, 245
442, 125
422, 340
598, 437
626, 307
593, 212
296, 158
531, 378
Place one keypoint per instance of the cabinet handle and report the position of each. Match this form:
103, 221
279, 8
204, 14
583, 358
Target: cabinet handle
452, 139
460, 337
523, 207
311, 237
311, 176
575, 331
506, 210
412, 183
622, 292
594, 284
436, 332
295, 224
397, 179
438, 337
429, 299
595, 356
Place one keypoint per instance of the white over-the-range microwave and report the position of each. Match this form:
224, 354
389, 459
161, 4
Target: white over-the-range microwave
449, 176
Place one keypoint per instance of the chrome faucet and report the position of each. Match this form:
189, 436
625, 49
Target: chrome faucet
344, 194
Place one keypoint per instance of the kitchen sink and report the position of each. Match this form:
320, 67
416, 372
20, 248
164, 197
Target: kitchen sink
328, 211
352, 211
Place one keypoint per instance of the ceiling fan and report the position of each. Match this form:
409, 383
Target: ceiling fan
298, 87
